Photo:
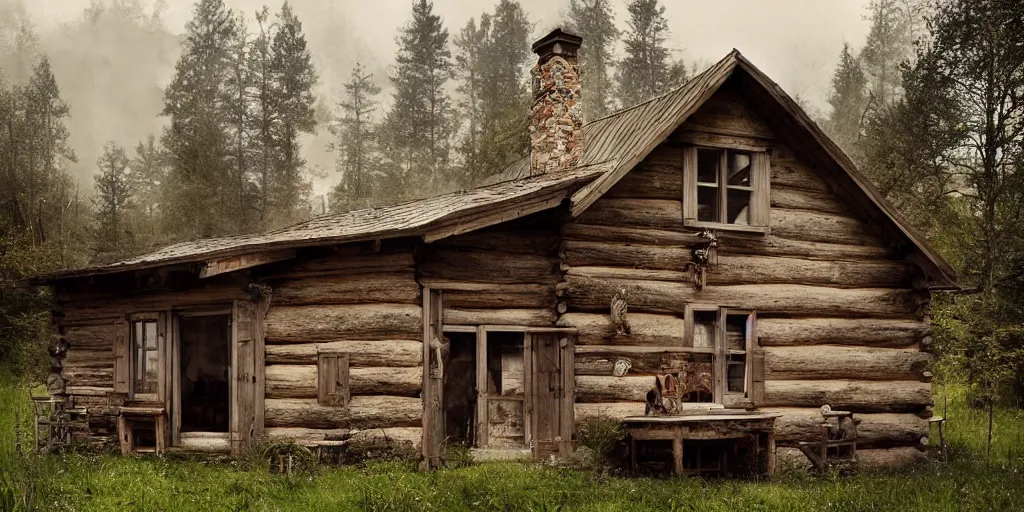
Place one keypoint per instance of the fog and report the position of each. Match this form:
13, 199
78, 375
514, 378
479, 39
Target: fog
113, 79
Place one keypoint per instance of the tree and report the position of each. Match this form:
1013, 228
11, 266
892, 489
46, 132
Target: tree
849, 103
646, 71
357, 158
295, 77
492, 60
198, 140
417, 130
115, 188
238, 92
149, 172
594, 21
894, 25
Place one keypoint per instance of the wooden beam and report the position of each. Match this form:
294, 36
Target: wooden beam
517, 210
234, 263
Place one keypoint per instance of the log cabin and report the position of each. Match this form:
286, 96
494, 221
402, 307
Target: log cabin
713, 234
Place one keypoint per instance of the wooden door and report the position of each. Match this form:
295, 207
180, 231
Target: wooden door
551, 399
243, 375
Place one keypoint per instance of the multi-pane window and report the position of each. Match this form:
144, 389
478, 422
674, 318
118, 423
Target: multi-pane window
723, 338
726, 187
145, 358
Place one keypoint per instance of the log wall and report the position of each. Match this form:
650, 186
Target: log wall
839, 320
359, 302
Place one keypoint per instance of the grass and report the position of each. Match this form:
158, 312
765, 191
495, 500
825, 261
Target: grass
108, 482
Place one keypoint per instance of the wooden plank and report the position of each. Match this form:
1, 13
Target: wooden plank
714, 140
219, 266
481, 387
760, 179
433, 379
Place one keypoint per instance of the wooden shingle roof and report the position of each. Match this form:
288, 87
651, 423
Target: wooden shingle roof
613, 145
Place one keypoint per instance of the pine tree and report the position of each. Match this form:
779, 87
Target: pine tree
418, 128
295, 76
493, 61
646, 71
149, 173
198, 140
115, 188
238, 95
264, 117
357, 156
890, 42
594, 21
849, 102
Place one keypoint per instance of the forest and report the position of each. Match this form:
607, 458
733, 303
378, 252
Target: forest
930, 106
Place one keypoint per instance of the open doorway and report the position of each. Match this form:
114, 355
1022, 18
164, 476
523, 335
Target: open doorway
460, 389
205, 368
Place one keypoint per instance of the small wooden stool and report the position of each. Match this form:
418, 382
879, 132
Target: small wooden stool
135, 414
941, 422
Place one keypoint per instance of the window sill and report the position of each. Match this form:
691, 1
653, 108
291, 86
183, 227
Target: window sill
740, 228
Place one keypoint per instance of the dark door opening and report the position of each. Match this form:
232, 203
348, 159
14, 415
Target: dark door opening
459, 390
205, 367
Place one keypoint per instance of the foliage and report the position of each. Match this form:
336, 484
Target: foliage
602, 435
594, 21
358, 156
848, 100
647, 70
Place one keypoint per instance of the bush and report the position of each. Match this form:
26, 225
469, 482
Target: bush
602, 436
457, 455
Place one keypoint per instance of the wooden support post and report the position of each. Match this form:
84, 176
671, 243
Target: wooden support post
677, 452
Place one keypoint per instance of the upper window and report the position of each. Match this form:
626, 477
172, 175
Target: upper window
726, 188
145, 358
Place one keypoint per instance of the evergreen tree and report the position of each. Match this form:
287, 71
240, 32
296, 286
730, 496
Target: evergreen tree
115, 188
646, 71
198, 140
295, 77
594, 21
493, 59
149, 173
849, 102
417, 130
264, 117
238, 92
889, 43
357, 158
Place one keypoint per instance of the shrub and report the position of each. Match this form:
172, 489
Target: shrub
602, 435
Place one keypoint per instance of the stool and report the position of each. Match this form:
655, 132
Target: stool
133, 415
941, 422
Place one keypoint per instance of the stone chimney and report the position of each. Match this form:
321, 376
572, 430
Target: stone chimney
556, 117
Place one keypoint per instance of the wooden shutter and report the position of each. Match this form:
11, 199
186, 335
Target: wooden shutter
760, 200
243, 369
122, 356
433, 379
332, 374
756, 356
690, 183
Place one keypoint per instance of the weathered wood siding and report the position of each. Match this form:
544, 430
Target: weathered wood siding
358, 301
502, 275
839, 320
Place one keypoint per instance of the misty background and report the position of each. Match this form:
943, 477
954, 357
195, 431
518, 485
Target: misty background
113, 77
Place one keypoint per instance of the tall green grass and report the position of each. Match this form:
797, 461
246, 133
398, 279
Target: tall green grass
108, 482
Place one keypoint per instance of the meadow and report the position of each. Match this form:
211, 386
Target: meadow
78, 481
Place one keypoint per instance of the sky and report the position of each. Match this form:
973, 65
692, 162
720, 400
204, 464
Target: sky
796, 42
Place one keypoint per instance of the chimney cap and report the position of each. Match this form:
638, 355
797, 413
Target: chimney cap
558, 42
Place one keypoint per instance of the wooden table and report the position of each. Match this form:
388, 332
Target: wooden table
704, 427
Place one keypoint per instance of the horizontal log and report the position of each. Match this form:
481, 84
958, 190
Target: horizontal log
600, 359
792, 198
858, 395
300, 381
308, 436
626, 255
363, 412
395, 353
646, 329
467, 295
304, 324
489, 267
867, 459
787, 171
88, 376
207, 442
397, 288
774, 245
93, 337
839, 362
627, 235
527, 317
676, 276
641, 213
388, 442
612, 410
840, 331
594, 293
597, 389
98, 358
97, 391
778, 270
344, 263
822, 227
541, 242
652, 179
79, 306
874, 429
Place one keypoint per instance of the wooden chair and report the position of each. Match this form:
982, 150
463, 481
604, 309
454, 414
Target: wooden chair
135, 414
838, 440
